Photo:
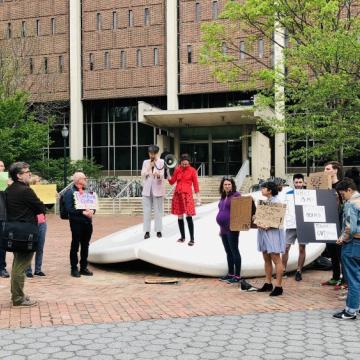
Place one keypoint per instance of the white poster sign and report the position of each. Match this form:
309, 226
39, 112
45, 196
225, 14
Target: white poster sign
290, 218
314, 214
305, 197
326, 231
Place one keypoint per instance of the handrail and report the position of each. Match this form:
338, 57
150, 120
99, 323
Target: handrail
202, 169
242, 174
126, 188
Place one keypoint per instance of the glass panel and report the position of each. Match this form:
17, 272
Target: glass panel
99, 114
100, 134
101, 156
122, 134
145, 134
122, 158
142, 154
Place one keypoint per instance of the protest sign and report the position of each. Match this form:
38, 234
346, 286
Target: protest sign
314, 213
270, 215
4, 178
305, 197
86, 200
290, 218
241, 213
319, 180
326, 231
45, 192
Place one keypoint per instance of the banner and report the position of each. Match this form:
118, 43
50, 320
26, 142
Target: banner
4, 177
45, 192
86, 200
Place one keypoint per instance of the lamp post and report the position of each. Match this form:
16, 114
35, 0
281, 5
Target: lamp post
65, 134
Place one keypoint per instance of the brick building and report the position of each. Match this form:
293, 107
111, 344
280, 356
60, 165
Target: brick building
127, 75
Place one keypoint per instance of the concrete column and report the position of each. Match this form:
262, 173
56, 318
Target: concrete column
177, 143
210, 140
76, 106
172, 55
163, 142
279, 38
245, 143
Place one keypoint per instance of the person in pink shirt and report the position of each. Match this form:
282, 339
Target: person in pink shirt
185, 177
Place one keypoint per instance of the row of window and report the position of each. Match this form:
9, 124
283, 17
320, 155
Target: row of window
45, 65
24, 28
123, 59
214, 10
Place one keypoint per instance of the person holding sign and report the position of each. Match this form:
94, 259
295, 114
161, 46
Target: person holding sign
230, 239
350, 241
81, 206
271, 242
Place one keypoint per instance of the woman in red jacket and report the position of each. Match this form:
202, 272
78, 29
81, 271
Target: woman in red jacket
185, 177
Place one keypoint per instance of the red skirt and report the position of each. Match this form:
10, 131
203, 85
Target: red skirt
183, 203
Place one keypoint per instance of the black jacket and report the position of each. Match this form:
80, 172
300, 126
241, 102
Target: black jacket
22, 204
74, 214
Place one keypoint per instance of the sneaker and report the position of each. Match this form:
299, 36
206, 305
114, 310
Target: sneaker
331, 282
86, 272
39, 273
298, 276
226, 277
344, 315
4, 274
266, 288
245, 286
159, 234
234, 280
278, 290
29, 275
147, 235
26, 303
75, 273
340, 286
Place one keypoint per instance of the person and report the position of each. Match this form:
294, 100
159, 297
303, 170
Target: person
41, 219
354, 174
163, 156
3, 272
350, 241
80, 225
185, 177
230, 239
22, 206
335, 170
291, 235
271, 242
153, 191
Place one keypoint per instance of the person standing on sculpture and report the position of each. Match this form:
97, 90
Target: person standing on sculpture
185, 177
153, 191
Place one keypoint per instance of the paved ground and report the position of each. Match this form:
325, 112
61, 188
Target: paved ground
298, 335
118, 293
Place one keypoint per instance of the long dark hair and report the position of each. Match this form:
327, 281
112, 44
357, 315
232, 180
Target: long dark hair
221, 188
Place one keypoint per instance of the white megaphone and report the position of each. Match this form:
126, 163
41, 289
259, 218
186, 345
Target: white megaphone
170, 161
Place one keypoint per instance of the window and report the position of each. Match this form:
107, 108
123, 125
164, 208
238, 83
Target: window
261, 48
37, 30
131, 18
122, 59
53, 26
114, 20
46, 65
91, 62
215, 10
138, 58
31, 66
107, 60
146, 17
156, 56
242, 50
8, 31
189, 54
197, 12
61, 64
23, 28
98, 21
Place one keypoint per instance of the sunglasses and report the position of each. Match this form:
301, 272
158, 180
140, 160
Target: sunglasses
229, 178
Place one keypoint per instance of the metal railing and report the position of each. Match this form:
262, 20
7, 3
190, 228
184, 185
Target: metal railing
201, 169
242, 174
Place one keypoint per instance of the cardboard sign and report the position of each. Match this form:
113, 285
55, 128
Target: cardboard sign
240, 213
319, 180
86, 200
270, 215
45, 192
4, 177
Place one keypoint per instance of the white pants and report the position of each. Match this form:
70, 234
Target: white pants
155, 202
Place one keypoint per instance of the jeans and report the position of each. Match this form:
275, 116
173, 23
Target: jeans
231, 246
350, 257
40, 249
2, 259
81, 234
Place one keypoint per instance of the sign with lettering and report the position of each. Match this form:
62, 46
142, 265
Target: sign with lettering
326, 231
241, 213
4, 178
290, 217
45, 192
86, 200
270, 215
314, 213
305, 197
319, 180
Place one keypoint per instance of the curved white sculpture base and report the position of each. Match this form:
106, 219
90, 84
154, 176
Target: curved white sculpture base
206, 257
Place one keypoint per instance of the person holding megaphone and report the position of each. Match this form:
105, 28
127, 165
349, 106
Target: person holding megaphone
185, 177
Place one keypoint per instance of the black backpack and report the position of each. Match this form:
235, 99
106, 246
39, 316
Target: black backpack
63, 212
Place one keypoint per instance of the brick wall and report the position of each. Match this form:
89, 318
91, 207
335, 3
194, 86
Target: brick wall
23, 16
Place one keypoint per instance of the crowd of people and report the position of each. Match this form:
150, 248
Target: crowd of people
23, 205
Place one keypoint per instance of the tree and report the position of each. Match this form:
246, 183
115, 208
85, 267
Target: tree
322, 61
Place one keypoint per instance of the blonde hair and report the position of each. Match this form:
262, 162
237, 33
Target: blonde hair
77, 176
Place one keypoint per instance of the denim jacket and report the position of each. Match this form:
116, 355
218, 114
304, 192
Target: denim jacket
351, 218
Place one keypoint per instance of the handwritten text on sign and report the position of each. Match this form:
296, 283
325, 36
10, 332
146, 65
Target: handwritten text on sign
85, 200
314, 214
290, 218
326, 231
305, 197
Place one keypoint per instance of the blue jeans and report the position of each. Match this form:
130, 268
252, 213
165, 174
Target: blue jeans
350, 256
231, 246
40, 249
